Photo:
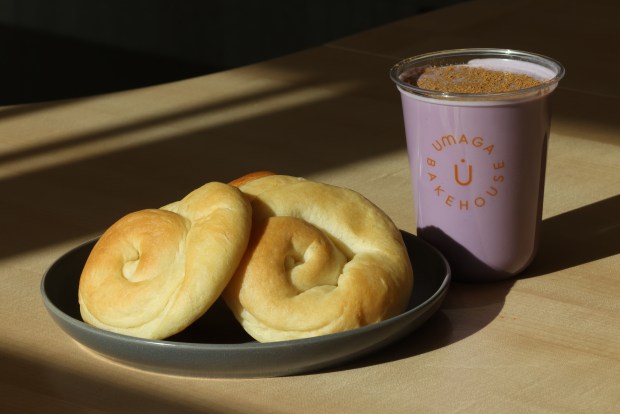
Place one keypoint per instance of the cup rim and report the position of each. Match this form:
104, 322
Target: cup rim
509, 54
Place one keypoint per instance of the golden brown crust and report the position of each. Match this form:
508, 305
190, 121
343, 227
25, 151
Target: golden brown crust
249, 177
321, 259
154, 272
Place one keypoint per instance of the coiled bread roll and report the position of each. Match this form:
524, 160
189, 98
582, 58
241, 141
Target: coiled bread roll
321, 259
154, 272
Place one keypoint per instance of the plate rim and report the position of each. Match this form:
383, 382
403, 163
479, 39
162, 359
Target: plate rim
254, 347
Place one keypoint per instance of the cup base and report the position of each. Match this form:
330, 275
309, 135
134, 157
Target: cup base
465, 266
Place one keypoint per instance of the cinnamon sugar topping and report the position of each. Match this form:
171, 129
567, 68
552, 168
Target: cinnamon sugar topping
470, 79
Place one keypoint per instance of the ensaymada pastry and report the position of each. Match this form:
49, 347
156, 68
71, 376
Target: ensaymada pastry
321, 259
155, 271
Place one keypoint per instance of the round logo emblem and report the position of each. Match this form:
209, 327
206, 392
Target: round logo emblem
464, 182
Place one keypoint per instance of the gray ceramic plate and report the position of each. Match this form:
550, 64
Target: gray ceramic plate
216, 345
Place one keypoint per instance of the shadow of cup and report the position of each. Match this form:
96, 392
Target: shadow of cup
569, 239
577, 237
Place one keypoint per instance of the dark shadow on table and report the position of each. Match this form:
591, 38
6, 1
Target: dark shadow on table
28, 385
579, 236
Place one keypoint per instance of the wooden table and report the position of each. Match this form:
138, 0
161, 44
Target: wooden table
547, 341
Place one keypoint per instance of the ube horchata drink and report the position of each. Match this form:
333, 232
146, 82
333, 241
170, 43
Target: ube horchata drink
477, 125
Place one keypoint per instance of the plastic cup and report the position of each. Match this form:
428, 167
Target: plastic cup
477, 161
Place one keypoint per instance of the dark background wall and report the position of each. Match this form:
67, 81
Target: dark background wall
54, 49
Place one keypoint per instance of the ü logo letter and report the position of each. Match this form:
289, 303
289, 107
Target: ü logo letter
457, 177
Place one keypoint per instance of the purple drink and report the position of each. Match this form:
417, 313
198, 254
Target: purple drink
478, 161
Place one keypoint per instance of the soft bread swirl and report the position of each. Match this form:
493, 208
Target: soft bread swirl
321, 259
154, 272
